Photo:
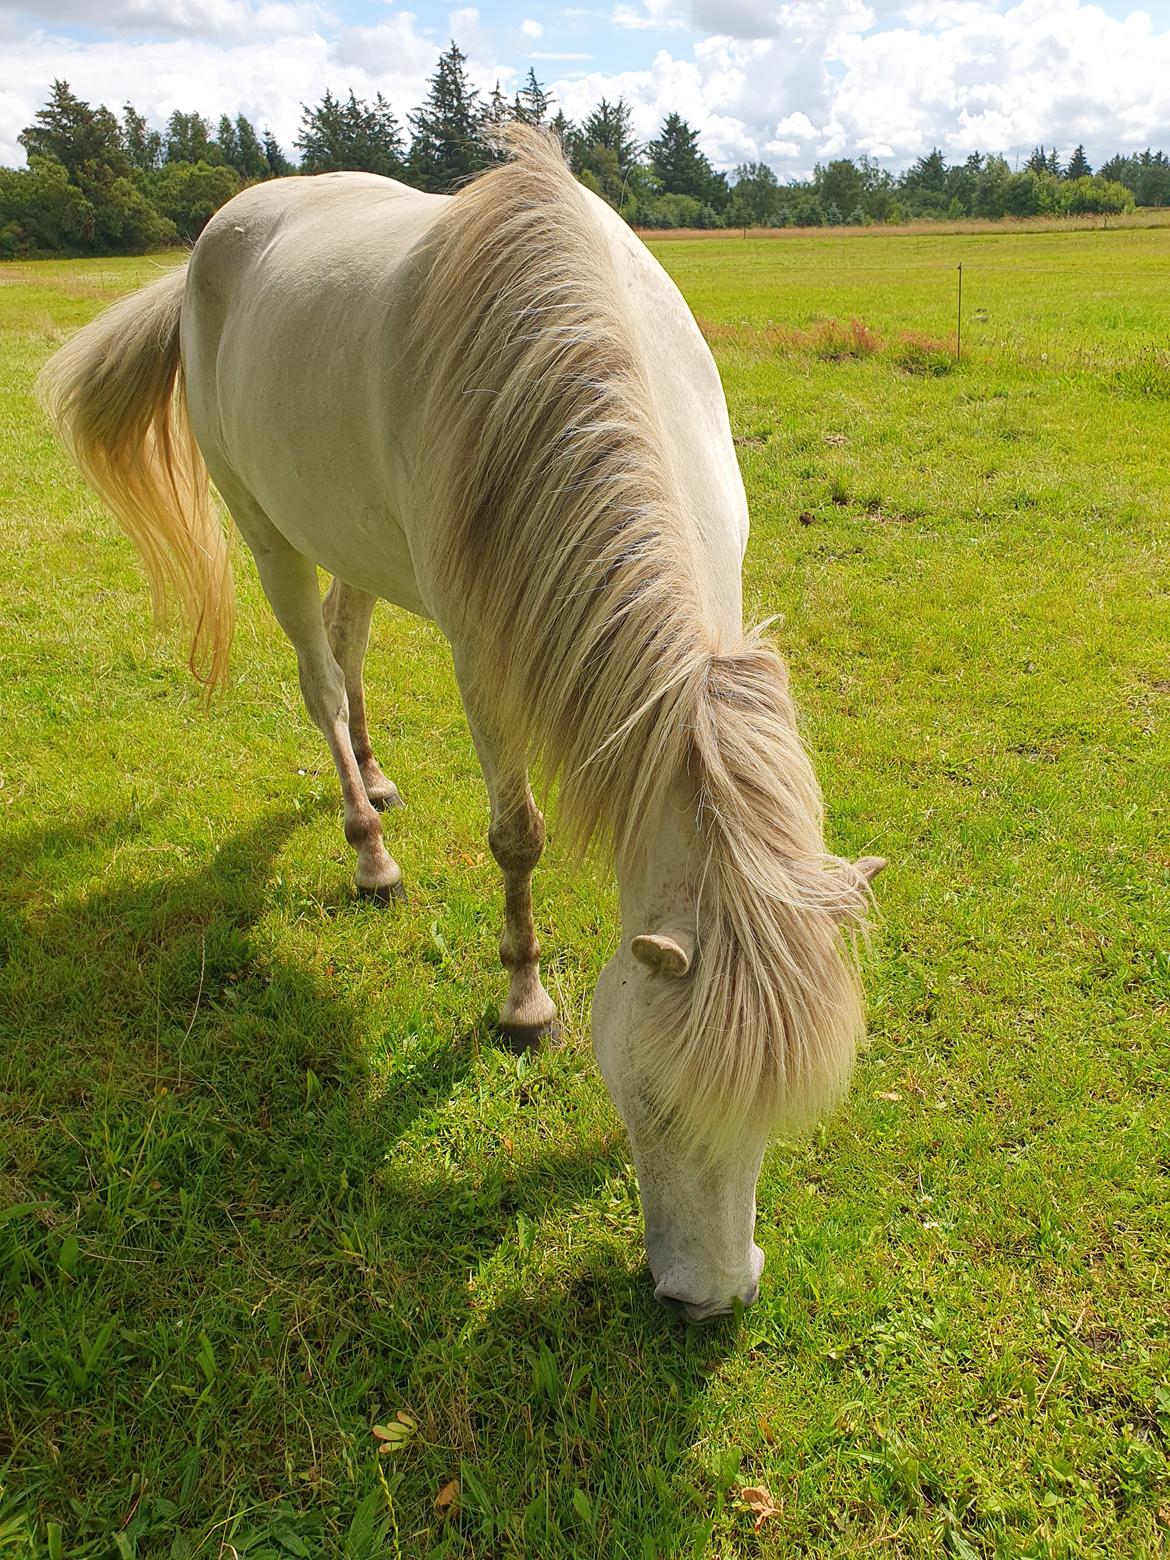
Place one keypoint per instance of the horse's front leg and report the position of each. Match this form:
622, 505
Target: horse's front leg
347, 613
516, 837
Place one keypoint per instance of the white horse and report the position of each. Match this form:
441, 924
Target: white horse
496, 411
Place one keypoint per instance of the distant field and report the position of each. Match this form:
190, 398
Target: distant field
265, 1182
1008, 227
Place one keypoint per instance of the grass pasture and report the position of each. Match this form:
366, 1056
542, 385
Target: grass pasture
265, 1181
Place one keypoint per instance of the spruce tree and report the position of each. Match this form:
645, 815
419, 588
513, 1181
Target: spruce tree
86, 141
569, 136
610, 128
143, 145
279, 165
532, 101
356, 135
679, 162
1042, 161
188, 139
1078, 165
498, 111
446, 144
321, 137
225, 138
251, 163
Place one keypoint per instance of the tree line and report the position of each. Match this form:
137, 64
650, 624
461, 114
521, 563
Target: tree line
97, 183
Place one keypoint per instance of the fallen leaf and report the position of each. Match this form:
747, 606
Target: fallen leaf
758, 1498
888, 1094
766, 1430
448, 1497
393, 1437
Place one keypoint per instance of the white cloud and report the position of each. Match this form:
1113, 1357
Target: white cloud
790, 80
531, 29
230, 19
657, 14
799, 81
268, 81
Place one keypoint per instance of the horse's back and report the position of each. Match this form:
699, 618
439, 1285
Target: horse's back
299, 298
295, 295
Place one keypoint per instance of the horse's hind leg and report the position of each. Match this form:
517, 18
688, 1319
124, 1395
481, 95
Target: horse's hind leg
290, 583
347, 612
516, 837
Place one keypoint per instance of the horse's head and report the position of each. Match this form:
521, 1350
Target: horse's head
732, 1006
699, 1210
697, 1130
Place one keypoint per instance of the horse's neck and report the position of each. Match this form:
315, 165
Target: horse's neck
657, 885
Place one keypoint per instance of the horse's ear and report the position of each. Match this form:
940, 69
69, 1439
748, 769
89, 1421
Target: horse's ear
870, 866
668, 952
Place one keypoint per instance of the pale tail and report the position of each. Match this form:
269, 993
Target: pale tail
115, 395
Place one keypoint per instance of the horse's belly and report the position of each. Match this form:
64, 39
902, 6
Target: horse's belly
362, 543
351, 535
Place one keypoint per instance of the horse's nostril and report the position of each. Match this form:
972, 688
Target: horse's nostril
675, 1306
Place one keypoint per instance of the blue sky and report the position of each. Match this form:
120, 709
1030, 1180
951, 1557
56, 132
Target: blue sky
790, 81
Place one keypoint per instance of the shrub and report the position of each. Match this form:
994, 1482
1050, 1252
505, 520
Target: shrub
42, 213
1092, 193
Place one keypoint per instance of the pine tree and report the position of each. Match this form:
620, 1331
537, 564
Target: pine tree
356, 135
679, 162
446, 144
532, 101
610, 128
86, 141
225, 139
143, 145
569, 136
928, 173
278, 164
1040, 160
87, 144
321, 137
188, 139
251, 163
1078, 165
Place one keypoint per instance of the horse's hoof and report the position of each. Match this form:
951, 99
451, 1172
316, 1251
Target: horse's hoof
530, 1037
382, 894
385, 801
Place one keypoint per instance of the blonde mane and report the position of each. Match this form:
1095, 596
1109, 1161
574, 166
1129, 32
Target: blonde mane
559, 527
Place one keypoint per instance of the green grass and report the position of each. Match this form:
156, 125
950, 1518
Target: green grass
265, 1182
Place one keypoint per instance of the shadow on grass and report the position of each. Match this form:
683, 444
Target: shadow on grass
237, 1258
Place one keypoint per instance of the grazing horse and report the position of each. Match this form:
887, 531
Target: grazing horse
495, 410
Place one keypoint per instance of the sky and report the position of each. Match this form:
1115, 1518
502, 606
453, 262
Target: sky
789, 82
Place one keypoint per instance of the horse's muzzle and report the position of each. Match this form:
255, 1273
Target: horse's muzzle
689, 1311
